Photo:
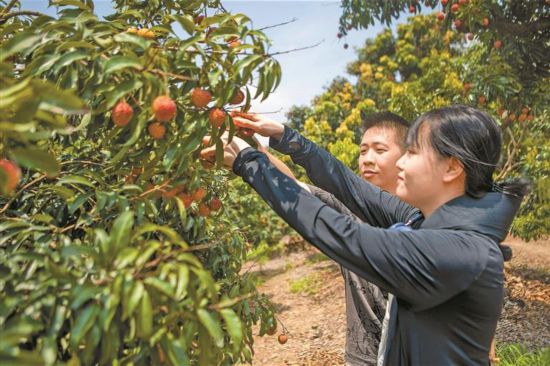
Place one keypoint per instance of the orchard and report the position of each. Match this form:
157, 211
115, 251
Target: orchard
115, 242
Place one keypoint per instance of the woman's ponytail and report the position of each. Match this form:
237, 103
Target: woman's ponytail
519, 187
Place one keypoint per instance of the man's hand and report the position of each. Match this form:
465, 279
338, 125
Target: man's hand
230, 150
259, 124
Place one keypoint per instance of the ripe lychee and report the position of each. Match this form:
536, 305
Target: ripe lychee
441, 16
122, 113
485, 22
412, 9
455, 8
204, 210
215, 204
457, 23
199, 194
497, 44
10, 174
481, 99
156, 130
238, 97
164, 108
216, 116
186, 199
444, 2
199, 19
200, 97
282, 338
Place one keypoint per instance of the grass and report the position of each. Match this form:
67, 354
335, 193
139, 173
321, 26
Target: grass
309, 285
518, 355
316, 258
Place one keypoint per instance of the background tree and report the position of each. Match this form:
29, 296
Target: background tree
426, 65
115, 244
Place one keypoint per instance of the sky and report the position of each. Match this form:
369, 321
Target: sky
306, 72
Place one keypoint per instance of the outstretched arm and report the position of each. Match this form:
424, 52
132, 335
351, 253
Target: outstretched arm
367, 201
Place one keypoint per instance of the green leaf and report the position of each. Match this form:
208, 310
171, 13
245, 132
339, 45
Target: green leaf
134, 39
212, 324
75, 179
68, 59
117, 63
36, 159
187, 23
83, 324
78, 201
130, 303
160, 285
120, 233
183, 281
18, 43
241, 64
234, 327
56, 100
144, 318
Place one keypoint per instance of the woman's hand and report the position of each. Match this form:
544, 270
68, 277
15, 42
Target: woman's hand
230, 150
259, 124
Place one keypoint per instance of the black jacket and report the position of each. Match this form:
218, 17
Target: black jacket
447, 276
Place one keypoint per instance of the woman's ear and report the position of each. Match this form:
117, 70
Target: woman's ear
454, 170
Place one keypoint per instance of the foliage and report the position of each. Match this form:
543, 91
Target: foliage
518, 355
100, 256
522, 27
425, 66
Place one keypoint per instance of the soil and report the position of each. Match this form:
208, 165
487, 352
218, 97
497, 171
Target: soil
315, 321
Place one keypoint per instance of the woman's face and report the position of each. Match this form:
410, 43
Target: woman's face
420, 181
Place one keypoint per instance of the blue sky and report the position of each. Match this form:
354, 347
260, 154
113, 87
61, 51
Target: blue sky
306, 72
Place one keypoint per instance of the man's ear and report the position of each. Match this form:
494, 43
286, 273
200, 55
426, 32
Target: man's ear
453, 170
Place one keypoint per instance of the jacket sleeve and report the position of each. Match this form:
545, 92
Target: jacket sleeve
422, 268
371, 204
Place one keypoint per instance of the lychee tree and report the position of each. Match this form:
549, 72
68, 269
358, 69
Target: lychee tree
424, 65
115, 245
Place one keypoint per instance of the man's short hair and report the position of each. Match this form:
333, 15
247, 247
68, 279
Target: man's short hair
389, 120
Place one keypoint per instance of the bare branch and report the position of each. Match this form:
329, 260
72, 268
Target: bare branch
8, 7
295, 49
278, 25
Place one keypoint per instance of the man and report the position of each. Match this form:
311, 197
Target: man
382, 144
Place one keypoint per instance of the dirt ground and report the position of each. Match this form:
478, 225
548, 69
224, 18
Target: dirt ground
315, 322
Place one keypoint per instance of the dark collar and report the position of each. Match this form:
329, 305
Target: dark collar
490, 215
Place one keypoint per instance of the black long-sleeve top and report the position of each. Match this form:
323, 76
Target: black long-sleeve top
446, 275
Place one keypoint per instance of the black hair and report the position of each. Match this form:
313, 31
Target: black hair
472, 137
388, 120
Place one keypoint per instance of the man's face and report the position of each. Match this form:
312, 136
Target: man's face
380, 151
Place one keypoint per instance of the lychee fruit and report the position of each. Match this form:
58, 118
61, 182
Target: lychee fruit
164, 108
199, 194
215, 204
11, 176
156, 130
282, 338
200, 97
204, 210
216, 116
238, 97
122, 113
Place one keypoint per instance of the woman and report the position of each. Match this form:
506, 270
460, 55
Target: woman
447, 275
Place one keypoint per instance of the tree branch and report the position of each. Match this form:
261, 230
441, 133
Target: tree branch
278, 25
4, 18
